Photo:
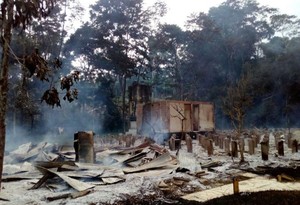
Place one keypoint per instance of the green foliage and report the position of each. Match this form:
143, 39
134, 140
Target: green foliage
278, 77
167, 51
207, 62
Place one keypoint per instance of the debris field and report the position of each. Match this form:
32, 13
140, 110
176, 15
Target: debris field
114, 168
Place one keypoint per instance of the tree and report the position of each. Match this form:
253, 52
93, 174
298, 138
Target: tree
14, 14
220, 42
167, 50
237, 101
116, 40
226, 37
277, 80
286, 25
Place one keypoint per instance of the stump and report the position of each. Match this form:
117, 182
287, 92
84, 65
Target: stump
265, 150
84, 147
189, 143
227, 145
294, 146
172, 146
281, 148
221, 142
210, 147
234, 148
128, 140
251, 143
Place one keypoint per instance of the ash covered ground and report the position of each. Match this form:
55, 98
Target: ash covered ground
149, 173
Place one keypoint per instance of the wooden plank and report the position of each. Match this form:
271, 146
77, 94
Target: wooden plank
42, 180
69, 195
53, 164
106, 171
76, 184
161, 161
83, 174
21, 176
5, 196
35, 151
112, 180
252, 185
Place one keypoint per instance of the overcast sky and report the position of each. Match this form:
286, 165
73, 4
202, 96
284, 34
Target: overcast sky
180, 9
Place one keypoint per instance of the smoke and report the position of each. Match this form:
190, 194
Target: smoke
53, 125
155, 129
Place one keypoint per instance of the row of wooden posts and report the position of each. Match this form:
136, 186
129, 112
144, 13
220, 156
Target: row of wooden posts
232, 145
84, 144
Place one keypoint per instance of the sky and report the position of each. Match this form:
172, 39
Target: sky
178, 10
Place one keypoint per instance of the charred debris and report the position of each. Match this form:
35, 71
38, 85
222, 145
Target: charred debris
178, 169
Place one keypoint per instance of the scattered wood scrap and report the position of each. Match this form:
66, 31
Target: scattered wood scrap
73, 195
159, 162
42, 180
293, 172
212, 164
284, 177
3, 198
76, 184
20, 176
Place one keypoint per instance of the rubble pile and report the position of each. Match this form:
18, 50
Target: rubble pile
128, 165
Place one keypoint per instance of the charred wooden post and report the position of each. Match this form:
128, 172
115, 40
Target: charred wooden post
210, 147
281, 148
84, 147
251, 145
189, 143
177, 144
276, 138
276, 142
172, 143
266, 138
258, 138
235, 185
264, 150
216, 139
255, 139
294, 146
128, 139
242, 144
133, 138
221, 142
234, 148
227, 145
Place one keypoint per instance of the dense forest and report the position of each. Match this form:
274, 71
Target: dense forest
241, 55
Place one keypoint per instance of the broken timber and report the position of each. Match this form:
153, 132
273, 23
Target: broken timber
161, 161
76, 184
70, 195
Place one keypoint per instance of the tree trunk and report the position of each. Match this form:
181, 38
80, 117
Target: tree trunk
7, 21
